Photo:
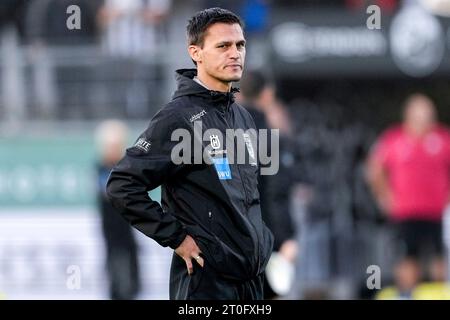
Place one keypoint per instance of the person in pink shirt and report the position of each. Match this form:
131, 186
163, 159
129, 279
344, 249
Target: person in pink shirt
409, 174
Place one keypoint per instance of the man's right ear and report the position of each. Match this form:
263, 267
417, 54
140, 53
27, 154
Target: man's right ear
195, 53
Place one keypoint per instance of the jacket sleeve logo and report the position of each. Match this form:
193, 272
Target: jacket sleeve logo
143, 144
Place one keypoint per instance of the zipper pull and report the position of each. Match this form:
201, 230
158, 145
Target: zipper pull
209, 214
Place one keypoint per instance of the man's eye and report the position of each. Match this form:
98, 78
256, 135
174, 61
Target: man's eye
221, 46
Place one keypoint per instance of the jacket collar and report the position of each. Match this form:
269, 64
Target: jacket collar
186, 86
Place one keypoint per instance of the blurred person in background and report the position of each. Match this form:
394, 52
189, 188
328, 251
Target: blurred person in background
407, 284
12, 12
406, 279
409, 174
133, 27
258, 96
134, 34
121, 248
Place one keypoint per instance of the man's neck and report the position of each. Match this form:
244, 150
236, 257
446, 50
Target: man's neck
196, 79
212, 85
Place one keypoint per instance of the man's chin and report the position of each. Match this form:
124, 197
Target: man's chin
230, 77
234, 78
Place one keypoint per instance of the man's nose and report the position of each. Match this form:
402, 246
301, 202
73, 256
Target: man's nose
234, 52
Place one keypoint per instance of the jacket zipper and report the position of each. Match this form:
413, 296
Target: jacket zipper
247, 200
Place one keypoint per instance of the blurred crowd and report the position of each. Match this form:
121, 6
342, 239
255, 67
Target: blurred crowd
353, 190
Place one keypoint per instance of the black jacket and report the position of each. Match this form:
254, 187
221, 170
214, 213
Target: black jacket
222, 215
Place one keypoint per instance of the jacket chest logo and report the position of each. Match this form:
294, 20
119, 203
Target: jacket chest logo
215, 142
197, 116
248, 143
251, 151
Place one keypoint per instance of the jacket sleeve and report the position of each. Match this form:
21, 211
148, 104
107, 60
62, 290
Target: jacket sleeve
146, 166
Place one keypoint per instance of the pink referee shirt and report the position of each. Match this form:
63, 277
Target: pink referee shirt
418, 171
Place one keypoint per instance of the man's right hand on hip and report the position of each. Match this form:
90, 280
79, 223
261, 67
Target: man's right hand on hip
189, 250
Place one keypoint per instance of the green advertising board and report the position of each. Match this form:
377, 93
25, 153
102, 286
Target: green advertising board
48, 172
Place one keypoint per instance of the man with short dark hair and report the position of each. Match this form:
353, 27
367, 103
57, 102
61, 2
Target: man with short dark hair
210, 211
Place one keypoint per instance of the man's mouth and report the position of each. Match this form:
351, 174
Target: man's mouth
234, 65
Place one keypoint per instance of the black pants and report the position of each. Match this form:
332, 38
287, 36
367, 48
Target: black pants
419, 239
206, 284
